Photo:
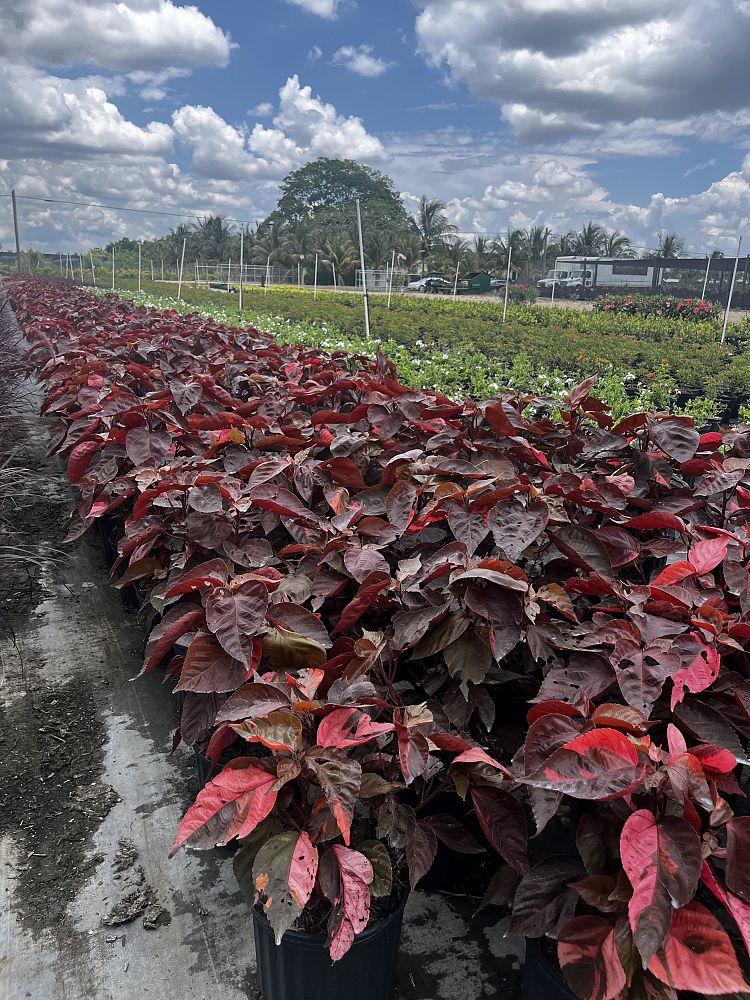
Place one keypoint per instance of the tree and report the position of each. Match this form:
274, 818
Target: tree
670, 245
591, 241
433, 227
457, 250
214, 238
325, 191
618, 245
340, 254
268, 242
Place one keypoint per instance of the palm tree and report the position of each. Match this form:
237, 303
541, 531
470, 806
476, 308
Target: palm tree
591, 241
670, 245
269, 238
456, 250
173, 243
535, 241
214, 237
618, 245
432, 226
340, 254
410, 247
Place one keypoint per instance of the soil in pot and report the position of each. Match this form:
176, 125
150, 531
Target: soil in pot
300, 968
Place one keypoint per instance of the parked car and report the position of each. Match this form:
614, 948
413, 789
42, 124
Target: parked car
423, 284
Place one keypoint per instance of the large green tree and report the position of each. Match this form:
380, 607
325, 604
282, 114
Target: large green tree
325, 191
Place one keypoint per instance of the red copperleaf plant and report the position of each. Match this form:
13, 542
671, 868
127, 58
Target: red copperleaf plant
352, 577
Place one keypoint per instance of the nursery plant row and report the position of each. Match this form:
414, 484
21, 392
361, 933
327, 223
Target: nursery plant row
463, 348
403, 625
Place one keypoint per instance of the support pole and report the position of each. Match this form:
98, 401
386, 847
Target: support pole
455, 284
731, 290
364, 273
705, 280
507, 282
80, 264
61, 266
268, 274
333, 268
151, 262
15, 229
182, 268
229, 273
113, 267
162, 269
315, 281
139, 267
242, 262
390, 282
93, 272
554, 284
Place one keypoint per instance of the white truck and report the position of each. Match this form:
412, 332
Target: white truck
579, 275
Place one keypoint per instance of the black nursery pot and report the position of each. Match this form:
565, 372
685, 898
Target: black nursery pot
541, 979
300, 968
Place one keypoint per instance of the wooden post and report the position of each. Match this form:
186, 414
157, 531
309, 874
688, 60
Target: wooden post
15, 229
364, 273
242, 262
731, 290
182, 268
507, 282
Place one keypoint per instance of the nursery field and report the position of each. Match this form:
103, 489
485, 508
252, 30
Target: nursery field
490, 648
463, 349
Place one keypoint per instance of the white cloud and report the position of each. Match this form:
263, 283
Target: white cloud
262, 110
303, 129
699, 166
129, 35
323, 8
562, 68
314, 54
45, 115
360, 60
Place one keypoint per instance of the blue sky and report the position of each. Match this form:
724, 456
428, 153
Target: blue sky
517, 113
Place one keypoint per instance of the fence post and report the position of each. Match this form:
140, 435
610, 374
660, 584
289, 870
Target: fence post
390, 282
731, 290
182, 267
15, 228
268, 274
139, 266
507, 281
242, 262
113, 267
364, 273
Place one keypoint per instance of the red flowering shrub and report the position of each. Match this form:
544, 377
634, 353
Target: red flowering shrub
363, 580
658, 305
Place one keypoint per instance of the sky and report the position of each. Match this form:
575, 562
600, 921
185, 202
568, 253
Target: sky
513, 112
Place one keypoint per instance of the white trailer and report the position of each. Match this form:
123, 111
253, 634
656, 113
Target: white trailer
581, 274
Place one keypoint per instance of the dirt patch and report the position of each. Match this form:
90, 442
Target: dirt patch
51, 795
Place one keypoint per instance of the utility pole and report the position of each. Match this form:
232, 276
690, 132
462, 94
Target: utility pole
731, 290
15, 227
